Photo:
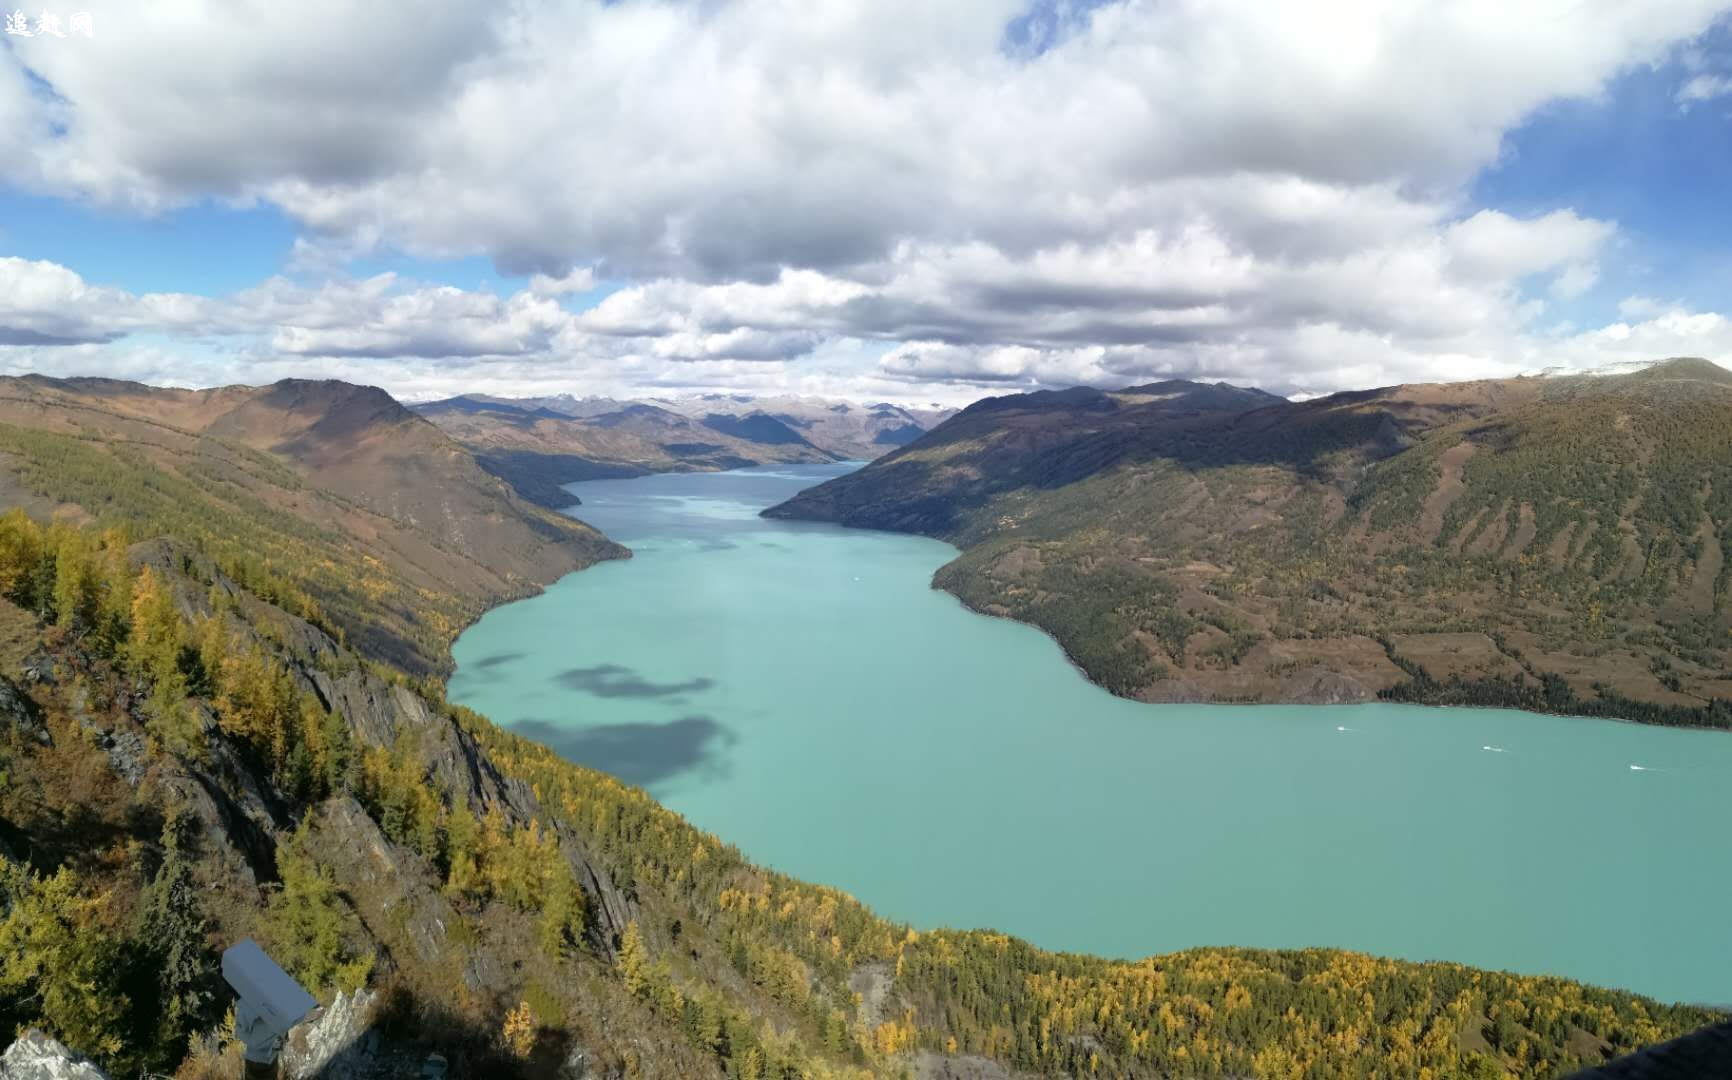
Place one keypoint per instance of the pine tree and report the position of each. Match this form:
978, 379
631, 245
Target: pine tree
172, 935
114, 605
20, 555
154, 648
751, 1064
563, 914
634, 960
75, 592
307, 921
520, 1031
463, 851
60, 968
152, 652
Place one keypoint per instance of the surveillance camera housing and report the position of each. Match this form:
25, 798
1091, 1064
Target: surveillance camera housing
271, 1001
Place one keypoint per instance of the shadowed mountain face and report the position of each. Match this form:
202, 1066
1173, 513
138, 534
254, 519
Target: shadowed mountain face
1043, 440
320, 484
1703, 1053
757, 428
1546, 543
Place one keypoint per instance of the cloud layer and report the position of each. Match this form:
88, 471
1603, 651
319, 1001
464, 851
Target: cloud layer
859, 193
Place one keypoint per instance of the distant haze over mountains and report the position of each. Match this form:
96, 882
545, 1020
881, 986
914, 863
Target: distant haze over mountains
538, 444
852, 429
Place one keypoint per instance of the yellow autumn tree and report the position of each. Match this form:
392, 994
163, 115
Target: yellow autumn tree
519, 1032
634, 960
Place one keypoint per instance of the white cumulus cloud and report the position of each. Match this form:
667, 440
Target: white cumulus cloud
866, 193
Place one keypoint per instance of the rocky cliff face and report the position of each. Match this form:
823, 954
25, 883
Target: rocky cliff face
342, 1042
339, 1043
444, 959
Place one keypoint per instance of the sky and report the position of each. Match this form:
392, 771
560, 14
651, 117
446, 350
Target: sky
876, 199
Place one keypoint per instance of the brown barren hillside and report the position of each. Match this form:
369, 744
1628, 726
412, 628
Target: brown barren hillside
1557, 544
383, 522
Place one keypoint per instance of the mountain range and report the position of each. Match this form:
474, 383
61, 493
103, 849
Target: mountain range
1547, 543
223, 620
539, 444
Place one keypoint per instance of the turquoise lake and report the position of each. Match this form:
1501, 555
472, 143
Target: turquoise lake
801, 691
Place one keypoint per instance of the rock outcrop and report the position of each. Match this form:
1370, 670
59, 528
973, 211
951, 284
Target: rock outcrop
19, 714
339, 1043
37, 1057
334, 1042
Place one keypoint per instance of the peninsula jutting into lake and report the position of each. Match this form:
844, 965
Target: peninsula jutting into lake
785, 685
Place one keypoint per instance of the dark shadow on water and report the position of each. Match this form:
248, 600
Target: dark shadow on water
486, 669
641, 754
619, 681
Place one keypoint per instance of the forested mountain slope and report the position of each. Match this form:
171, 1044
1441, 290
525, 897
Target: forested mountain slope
335, 493
1545, 543
188, 757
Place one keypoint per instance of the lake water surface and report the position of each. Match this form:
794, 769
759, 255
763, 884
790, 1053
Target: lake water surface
802, 692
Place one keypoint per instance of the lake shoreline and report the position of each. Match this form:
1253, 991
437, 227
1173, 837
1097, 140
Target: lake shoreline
1143, 695
778, 683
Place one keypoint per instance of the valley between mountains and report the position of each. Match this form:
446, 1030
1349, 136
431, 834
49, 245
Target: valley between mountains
226, 623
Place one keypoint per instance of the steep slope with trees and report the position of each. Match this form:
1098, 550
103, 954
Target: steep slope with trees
335, 493
1554, 544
